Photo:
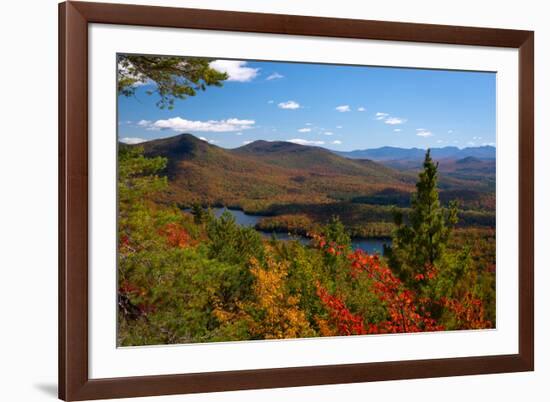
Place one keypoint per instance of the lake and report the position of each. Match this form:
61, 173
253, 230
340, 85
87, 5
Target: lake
368, 245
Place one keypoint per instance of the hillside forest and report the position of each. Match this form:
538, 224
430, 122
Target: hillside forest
189, 275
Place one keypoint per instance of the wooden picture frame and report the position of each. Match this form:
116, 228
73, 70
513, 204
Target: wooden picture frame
74, 381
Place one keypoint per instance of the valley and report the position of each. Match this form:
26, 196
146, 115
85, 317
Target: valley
297, 188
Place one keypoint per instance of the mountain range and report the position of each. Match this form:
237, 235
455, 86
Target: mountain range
417, 154
263, 176
262, 173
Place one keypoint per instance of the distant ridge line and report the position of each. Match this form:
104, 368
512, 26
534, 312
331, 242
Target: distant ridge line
385, 153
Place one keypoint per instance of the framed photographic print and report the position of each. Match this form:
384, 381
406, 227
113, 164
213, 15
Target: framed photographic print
260, 200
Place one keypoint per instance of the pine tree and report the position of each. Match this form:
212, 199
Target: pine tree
173, 77
200, 215
419, 243
335, 232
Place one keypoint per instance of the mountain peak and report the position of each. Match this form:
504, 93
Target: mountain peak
183, 138
264, 147
181, 146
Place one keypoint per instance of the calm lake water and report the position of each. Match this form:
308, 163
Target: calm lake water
368, 245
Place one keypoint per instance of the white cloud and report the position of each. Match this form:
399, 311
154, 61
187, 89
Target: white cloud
275, 76
304, 130
309, 124
394, 120
339, 126
132, 140
289, 105
328, 133
301, 141
247, 142
476, 138
343, 108
490, 144
182, 125
423, 133
270, 101
471, 143
397, 130
361, 109
450, 132
144, 123
208, 140
389, 119
239, 134
337, 142
235, 69
439, 141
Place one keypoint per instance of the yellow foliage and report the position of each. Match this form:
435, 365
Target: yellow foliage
274, 314
325, 329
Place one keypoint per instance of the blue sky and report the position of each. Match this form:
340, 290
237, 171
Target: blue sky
336, 107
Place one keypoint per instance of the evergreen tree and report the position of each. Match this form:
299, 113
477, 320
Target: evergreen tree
174, 77
200, 215
419, 243
335, 232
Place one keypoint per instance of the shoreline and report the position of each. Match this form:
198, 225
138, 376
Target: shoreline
299, 232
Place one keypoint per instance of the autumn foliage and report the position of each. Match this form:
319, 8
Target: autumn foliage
192, 277
406, 311
468, 312
175, 235
272, 313
341, 320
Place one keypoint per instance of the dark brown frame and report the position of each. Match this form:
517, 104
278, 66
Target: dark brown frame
74, 17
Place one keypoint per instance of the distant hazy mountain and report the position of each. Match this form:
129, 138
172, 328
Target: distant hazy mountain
417, 154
